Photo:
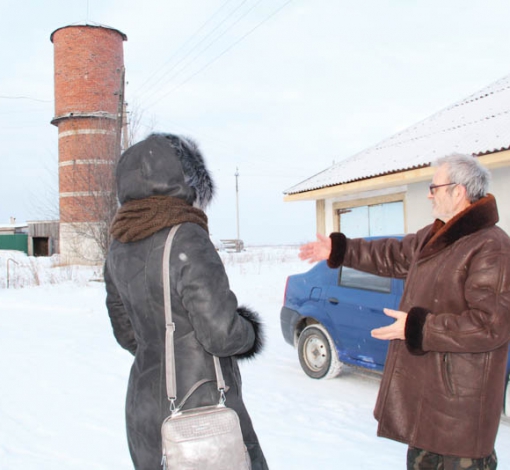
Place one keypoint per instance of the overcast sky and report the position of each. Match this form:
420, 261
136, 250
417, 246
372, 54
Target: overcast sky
278, 89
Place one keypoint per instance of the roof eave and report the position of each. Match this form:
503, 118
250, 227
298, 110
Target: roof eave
391, 179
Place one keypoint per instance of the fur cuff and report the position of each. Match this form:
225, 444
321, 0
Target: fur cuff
254, 318
338, 247
414, 330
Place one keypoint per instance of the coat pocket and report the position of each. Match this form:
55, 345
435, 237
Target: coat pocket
446, 374
463, 374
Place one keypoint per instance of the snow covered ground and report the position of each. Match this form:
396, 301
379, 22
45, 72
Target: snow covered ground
63, 377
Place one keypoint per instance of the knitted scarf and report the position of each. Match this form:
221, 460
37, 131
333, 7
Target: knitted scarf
140, 218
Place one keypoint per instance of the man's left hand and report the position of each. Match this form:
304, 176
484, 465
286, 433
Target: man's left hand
395, 330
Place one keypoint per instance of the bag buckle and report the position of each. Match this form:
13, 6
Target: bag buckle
173, 408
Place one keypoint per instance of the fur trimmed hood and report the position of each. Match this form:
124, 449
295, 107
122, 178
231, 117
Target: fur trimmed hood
164, 165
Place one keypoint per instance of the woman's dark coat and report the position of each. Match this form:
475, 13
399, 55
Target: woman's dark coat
442, 388
205, 311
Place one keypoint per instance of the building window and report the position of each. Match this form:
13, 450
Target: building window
372, 220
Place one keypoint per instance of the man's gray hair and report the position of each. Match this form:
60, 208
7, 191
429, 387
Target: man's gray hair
467, 171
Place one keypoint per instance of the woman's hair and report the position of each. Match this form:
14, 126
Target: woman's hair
467, 171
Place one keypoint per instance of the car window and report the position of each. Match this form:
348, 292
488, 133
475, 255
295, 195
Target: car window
353, 278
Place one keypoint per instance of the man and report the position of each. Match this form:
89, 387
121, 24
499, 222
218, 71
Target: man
442, 387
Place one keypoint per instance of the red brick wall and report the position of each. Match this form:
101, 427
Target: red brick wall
89, 68
87, 138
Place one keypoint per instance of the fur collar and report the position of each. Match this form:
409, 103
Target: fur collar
479, 215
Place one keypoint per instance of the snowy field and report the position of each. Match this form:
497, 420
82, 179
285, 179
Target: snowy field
63, 377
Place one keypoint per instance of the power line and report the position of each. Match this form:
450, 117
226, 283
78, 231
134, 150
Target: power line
294, 172
208, 45
222, 53
24, 98
182, 46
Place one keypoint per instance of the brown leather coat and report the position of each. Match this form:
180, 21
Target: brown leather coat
442, 388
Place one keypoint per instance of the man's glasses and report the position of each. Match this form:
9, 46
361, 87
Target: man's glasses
433, 187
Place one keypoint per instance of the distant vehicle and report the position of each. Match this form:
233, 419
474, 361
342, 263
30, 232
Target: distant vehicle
328, 314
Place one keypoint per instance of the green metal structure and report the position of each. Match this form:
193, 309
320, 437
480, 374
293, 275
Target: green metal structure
18, 242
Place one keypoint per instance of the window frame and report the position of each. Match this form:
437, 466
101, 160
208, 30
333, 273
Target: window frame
380, 290
338, 207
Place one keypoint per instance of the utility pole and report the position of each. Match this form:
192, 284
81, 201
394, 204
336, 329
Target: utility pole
237, 204
125, 128
120, 115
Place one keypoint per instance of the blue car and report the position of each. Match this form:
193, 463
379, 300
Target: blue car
328, 314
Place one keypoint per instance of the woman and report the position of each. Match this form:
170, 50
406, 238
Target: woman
163, 181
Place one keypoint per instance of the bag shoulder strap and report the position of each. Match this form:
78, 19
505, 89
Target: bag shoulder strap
171, 383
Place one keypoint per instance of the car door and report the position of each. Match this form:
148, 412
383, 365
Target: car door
354, 307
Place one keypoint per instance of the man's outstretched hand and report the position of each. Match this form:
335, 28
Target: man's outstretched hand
316, 251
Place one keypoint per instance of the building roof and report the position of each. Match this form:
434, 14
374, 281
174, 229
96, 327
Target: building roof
13, 226
478, 124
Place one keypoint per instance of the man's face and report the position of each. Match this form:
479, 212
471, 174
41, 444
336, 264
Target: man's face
444, 206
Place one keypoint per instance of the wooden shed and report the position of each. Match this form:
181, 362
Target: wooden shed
43, 237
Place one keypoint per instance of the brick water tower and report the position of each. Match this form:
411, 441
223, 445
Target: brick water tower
89, 99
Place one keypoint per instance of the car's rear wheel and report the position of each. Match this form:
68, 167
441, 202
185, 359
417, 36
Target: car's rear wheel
317, 353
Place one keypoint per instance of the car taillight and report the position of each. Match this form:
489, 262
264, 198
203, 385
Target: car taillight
285, 291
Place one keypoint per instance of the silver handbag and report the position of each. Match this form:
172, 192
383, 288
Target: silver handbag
204, 438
